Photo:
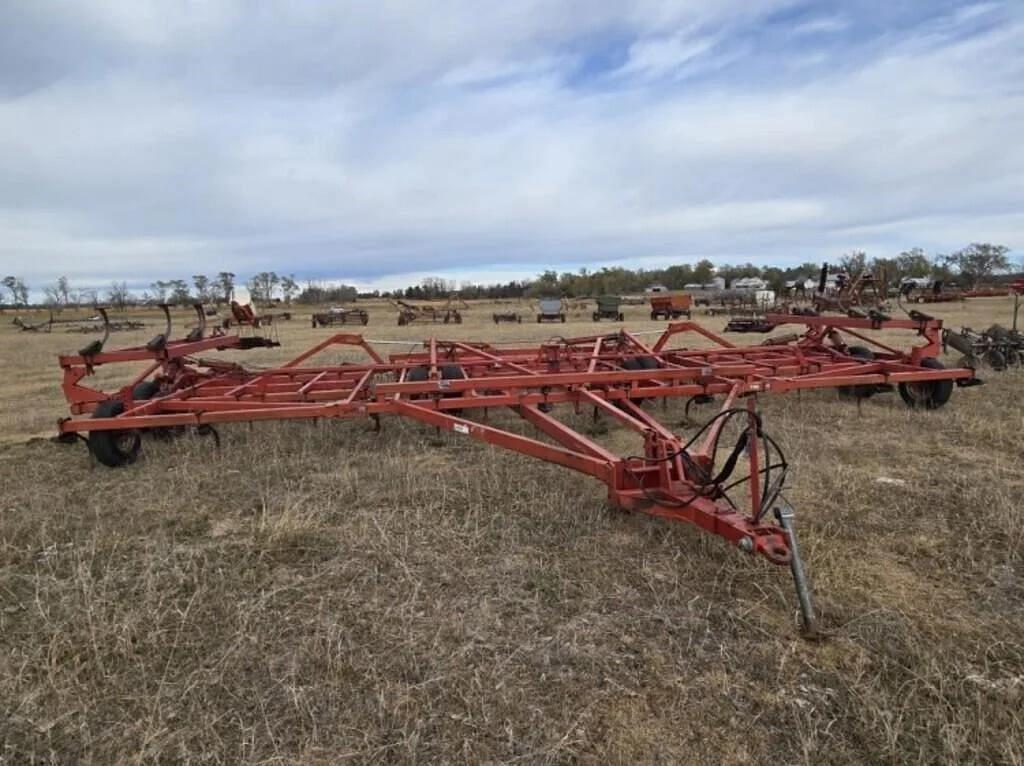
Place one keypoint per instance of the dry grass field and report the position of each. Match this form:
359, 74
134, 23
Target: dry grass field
320, 593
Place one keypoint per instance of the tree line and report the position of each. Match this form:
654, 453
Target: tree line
969, 266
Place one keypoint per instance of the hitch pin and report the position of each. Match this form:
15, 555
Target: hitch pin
785, 516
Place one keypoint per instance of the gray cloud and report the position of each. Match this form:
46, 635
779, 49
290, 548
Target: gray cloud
365, 141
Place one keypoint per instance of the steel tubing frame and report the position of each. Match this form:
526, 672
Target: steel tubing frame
612, 374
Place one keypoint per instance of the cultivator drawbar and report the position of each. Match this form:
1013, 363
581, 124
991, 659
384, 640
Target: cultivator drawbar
454, 384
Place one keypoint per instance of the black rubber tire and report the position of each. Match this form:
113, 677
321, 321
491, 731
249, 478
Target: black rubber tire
595, 316
930, 395
417, 374
996, 359
113, 448
448, 372
622, 317
654, 315
539, 319
145, 390
640, 363
859, 392
562, 317
453, 372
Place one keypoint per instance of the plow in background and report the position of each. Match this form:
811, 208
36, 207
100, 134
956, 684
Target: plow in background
454, 384
449, 313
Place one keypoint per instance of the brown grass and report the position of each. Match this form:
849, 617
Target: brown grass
322, 593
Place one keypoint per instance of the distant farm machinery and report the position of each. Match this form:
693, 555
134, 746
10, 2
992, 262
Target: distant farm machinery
551, 310
862, 292
98, 322
995, 347
453, 385
927, 290
409, 313
246, 316
512, 317
608, 307
336, 316
671, 306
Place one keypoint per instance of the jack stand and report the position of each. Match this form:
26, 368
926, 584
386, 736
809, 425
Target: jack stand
784, 516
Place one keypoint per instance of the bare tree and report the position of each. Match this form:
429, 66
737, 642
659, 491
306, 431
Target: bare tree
51, 296
854, 263
202, 283
118, 295
226, 285
9, 283
289, 287
62, 292
18, 290
179, 292
262, 286
160, 288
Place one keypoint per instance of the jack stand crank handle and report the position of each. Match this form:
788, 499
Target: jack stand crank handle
785, 515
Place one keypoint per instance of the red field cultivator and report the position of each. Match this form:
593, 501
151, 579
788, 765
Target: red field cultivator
453, 384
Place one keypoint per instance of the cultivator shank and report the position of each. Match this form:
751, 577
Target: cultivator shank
454, 384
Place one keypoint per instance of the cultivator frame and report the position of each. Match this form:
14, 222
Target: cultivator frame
612, 374
337, 316
409, 313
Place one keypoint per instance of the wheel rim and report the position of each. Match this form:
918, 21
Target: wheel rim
919, 392
124, 441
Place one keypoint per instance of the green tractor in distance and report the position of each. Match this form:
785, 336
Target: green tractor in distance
608, 307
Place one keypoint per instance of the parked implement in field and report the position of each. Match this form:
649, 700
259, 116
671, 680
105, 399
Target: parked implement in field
508, 316
99, 322
337, 316
844, 293
409, 313
246, 316
451, 384
608, 308
671, 306
550, 310
996, 347
926, 290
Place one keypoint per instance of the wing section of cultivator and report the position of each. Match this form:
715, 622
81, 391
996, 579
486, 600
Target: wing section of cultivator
454, 384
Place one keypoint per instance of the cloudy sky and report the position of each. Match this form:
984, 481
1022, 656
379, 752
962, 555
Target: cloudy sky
379, 142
